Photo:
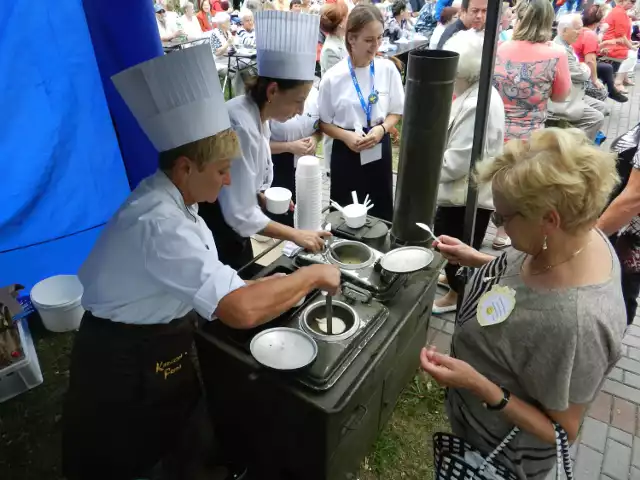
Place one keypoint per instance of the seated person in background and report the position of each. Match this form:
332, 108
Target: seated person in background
447, 17
247, 34
189, 23
583, 112
205, 16
586, 48
295, 6
168, 29
553, 348
426, 21
222, 41
398, 25
506, 27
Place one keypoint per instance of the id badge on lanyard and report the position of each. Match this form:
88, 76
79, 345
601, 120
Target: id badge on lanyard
374, 153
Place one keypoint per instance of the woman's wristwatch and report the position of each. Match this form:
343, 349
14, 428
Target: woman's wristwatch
502, 404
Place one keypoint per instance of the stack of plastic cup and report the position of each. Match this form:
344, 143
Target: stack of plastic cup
308, 213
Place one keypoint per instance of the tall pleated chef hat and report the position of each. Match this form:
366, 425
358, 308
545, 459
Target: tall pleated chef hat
286, 44
175, 98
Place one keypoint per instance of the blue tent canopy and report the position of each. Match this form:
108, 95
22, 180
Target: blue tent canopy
63, 174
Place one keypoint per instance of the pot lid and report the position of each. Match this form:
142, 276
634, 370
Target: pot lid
283, 348
406, 259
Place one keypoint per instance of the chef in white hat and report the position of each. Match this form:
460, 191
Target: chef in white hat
286, 56
152, 272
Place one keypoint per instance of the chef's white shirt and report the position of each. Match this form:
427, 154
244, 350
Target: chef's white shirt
300, 126
155, 261
251, 173
339, 104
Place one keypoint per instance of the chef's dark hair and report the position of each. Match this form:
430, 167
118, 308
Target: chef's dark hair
257, 87
398, 7
361, 16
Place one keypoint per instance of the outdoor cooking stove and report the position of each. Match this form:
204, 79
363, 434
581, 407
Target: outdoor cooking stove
318, 423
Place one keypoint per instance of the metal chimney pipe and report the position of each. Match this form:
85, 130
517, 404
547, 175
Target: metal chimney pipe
425, 121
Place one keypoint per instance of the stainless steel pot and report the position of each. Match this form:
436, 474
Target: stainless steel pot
341, 310
350, 255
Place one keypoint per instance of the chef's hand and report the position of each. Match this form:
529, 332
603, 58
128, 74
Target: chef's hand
455, 251
310, 240
449, 371
312, 146
372, 138
262, 200
327, 278
299, 147
353, 141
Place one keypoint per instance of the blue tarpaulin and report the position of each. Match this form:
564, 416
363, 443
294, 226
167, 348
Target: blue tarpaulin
62, 173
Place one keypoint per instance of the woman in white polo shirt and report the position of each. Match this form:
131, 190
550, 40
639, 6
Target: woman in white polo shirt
361, 99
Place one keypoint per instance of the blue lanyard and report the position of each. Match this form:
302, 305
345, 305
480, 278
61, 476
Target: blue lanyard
373, 96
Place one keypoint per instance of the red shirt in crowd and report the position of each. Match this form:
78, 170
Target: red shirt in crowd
586, 43
619, 26
203, 19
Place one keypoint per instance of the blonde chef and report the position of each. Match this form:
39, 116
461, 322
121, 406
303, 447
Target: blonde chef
361, 99
286, 48
152, 272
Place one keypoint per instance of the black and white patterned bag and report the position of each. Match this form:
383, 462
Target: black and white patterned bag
455, 459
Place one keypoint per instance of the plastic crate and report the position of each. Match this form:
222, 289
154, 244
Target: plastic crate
25, 374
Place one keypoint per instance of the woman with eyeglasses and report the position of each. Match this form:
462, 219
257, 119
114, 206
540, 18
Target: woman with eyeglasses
540, 326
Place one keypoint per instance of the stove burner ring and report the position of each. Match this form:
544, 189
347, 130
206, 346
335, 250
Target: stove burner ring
341, 310
350, 255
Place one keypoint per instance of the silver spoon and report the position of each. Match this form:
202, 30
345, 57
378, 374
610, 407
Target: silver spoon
426, 228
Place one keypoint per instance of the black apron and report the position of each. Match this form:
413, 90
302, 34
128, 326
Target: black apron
233, 250
374, 179
132, 392
284, 175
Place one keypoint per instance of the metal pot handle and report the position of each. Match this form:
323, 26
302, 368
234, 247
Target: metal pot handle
354, 420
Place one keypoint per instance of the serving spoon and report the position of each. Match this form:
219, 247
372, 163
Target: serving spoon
426, 228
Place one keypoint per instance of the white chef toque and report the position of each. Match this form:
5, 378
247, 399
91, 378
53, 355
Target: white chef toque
175, 98
286, 43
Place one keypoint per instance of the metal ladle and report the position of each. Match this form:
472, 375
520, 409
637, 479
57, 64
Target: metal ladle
329, 313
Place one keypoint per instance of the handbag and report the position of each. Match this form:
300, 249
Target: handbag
455, 459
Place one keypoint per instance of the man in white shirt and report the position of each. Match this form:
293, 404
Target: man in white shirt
152, 275
167, 27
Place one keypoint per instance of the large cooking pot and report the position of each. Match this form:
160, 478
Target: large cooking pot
350, 255
318, 310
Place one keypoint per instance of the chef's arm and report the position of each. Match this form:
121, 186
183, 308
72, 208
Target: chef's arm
261, 302
623, 208
280, 231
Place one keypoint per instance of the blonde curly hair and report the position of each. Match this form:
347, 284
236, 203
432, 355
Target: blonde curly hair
556, 169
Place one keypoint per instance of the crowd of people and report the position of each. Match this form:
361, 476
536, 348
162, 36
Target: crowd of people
540, 361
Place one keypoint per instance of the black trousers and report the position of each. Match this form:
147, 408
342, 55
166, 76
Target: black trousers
233, 250
606, 73
450, 221
284, 175
375, 178
133, 390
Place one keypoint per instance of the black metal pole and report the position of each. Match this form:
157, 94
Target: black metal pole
482, 111
429, 88
491, 32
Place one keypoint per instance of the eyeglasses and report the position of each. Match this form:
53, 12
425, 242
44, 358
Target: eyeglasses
499, 220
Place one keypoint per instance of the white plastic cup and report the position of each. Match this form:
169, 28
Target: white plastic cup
308, 167
278, 200
355, 215
58, 300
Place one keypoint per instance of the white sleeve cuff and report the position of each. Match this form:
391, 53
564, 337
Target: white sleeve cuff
217, 286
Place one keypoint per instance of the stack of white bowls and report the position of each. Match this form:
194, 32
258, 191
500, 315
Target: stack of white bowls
308, 213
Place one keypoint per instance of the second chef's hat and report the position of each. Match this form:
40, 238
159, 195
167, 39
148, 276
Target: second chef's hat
175, 98
286, 44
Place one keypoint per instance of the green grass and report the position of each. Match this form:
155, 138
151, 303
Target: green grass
30, 425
